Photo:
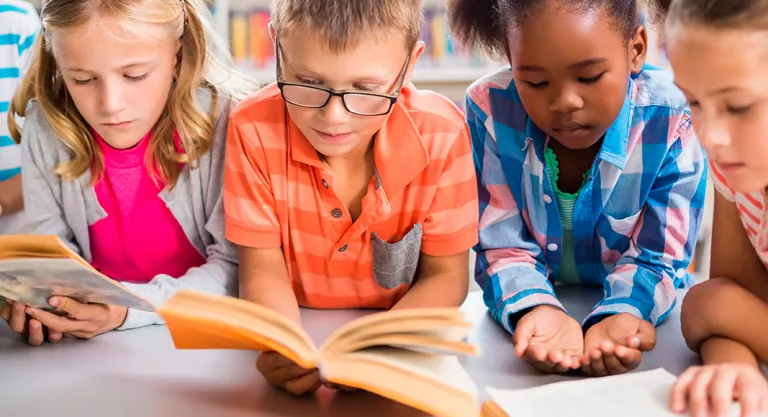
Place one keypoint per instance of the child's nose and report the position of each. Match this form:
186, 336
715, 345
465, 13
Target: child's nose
335, 112
566, 101
712, 134
112, 98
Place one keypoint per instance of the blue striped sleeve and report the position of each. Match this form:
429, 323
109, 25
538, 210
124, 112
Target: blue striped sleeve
4, 8
510, 266
646, 277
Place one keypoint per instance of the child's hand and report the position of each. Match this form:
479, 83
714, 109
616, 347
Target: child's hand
280, 371
616, 345
14, 314
714, 387
84, 321
549, 339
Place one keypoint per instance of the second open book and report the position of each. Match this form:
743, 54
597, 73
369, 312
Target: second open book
406, 355
636, 394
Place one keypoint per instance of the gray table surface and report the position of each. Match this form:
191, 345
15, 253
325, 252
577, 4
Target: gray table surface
139, 373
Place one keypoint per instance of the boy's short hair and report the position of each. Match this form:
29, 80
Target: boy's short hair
345, 23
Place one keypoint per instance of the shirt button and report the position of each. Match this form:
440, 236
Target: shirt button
547, 198
336, 213
552, 247
680, 273
325, 184
343, 248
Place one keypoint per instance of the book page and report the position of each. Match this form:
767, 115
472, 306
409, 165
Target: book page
436, 384
36, 247
638, 394
34, 281
436, 323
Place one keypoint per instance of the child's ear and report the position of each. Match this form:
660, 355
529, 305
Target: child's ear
416, 53
272, 32
638, 49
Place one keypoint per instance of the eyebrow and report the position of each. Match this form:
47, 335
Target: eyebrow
717, 92
132, 65
723, 90
578, 65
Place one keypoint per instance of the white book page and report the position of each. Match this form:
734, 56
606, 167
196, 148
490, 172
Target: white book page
639, 394
444, 368
34, 281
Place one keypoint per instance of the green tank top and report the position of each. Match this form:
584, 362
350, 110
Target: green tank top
568, 273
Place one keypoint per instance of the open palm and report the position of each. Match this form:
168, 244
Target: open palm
549, 339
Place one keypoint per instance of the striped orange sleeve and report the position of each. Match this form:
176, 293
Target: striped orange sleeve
249, 202
451, 224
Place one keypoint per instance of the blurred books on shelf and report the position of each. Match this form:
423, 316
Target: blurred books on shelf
444, 59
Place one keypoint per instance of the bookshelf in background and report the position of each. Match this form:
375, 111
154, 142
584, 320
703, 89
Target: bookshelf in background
446, 66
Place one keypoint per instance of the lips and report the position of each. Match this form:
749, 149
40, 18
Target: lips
569, 127
118, 125
729, 166
333, 137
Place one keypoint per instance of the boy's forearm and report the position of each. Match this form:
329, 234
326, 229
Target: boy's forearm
719, 350
438, 290
11, 197
268, 290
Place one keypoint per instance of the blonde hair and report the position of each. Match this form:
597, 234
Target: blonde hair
204, 63
344, 23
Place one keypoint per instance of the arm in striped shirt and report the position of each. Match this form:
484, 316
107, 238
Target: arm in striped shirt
510, 264
646, 277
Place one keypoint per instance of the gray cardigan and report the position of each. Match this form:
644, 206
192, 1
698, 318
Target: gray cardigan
67, 209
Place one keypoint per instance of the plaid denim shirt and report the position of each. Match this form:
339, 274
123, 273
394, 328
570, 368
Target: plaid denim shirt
636, 219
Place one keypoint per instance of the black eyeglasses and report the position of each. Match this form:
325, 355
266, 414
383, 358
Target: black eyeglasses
356, 102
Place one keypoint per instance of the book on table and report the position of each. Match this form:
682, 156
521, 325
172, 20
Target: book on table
636, 394
410, 356
34, 268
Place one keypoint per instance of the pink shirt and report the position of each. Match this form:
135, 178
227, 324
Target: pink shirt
140, 238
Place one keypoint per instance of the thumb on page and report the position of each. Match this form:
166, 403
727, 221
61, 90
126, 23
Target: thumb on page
645, 339
522, 336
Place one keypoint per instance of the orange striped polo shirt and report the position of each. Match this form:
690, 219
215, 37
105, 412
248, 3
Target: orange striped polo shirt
423, 199
752, 211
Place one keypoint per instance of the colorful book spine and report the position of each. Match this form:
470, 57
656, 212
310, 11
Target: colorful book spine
253, 49
238, 31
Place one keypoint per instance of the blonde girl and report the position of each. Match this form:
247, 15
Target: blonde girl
126, 106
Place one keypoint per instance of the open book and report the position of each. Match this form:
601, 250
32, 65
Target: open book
407, 355
35, 268
638, 394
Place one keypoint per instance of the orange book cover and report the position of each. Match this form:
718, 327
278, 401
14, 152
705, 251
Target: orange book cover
410, 356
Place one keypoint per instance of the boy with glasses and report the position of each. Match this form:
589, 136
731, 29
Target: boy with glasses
345, 186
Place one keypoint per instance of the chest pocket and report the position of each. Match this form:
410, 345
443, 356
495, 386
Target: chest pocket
395, 264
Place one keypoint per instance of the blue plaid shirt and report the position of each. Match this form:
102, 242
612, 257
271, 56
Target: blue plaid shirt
635, 221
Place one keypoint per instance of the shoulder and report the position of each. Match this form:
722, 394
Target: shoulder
494, 89
268, 99
660, 109
655, 87
261, 118
438, 120
38, 136
494, 106
215, 103
431, 112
